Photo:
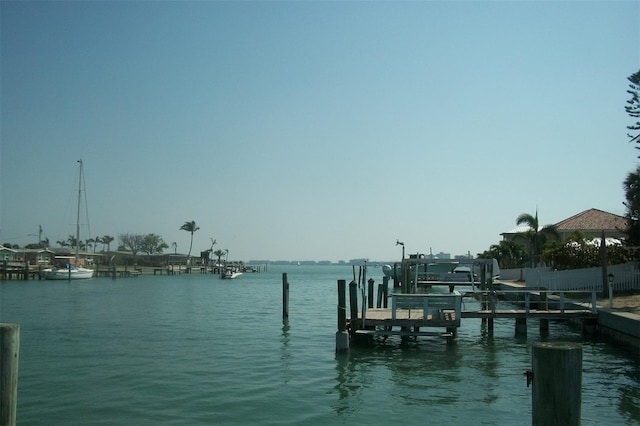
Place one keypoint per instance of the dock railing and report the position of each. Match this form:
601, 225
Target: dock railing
541, 300
435, 308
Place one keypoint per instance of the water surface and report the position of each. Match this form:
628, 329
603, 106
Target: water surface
197, 350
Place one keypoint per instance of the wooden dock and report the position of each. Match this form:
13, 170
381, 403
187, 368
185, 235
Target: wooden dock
440, 314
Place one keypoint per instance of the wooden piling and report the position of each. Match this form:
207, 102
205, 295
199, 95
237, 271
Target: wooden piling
557, 383
342, 337
380, 296
370, 293
353, 304
521, 327
544, 326
285, 296
483, 288
9, 356
385, 291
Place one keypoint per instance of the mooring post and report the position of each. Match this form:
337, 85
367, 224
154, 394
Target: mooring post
285, 296
483, 291
521, 326
9, 356
353, 303
370, 293
544, 326
543, 304
380, 296
342, 337
396, 272
385, 291
556, 373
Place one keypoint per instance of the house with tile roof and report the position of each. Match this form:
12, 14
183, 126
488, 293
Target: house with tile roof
592, 223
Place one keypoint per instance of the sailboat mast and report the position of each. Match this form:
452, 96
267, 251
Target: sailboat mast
78, 214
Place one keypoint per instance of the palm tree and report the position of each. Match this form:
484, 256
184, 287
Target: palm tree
107, 239
190, 227
73, 242
509, 254
218, 254
535, 236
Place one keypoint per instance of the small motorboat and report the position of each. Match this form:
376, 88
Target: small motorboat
229, 275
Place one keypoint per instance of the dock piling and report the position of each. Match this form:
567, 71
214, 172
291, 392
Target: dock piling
353, 303
285, 296
342, 336
521, 327
385, 291
557, 383
9, 356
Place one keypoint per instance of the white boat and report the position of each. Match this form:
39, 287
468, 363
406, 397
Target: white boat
229, 275
67, 271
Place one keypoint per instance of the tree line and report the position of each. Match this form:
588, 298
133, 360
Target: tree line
148, 244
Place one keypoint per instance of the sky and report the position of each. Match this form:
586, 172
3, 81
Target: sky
313, 130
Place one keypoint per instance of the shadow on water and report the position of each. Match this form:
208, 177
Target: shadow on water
414, 364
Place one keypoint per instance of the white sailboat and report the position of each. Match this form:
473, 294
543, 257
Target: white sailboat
67, 271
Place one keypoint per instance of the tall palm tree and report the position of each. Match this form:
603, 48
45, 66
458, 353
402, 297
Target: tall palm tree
107, 239
536, 236
190, 227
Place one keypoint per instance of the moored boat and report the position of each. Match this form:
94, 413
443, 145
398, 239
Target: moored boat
67, 271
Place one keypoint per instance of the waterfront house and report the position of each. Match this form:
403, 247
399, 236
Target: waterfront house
66, 255
593, 223
36, 257
8, 254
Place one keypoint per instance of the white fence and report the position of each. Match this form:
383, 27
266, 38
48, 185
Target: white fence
512, 274
625, 277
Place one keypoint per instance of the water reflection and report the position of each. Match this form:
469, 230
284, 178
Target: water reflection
286, 356
346, 386
431, 368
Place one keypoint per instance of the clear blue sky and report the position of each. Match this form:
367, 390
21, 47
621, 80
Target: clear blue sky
314, 130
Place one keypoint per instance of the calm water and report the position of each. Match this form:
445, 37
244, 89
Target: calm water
197, 350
